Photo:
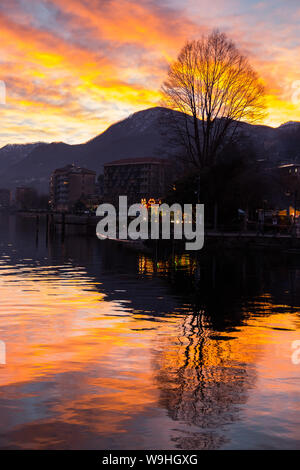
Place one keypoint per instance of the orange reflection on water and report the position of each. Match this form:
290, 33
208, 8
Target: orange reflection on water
87, 372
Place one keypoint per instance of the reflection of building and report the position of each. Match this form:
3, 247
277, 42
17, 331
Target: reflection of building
25, 197
5, 198
136, 178
71, 184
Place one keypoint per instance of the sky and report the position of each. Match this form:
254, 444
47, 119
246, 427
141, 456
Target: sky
71, 68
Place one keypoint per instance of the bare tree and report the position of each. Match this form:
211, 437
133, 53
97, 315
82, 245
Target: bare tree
215, 88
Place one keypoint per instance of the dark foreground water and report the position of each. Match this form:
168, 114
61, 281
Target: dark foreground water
108, 349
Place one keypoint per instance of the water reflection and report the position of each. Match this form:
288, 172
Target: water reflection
112, 349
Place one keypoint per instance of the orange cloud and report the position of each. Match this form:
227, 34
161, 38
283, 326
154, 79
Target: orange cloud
72, 68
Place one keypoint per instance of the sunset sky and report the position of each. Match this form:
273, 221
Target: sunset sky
73, 67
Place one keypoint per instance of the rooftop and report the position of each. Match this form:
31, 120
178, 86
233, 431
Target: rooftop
74, 169
138, 161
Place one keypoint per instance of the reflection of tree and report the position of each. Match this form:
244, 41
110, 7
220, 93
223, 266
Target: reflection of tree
202, 383
203, 378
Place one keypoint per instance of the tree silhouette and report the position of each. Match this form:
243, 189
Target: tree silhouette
215, 88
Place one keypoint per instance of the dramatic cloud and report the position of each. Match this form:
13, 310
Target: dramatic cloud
72, 67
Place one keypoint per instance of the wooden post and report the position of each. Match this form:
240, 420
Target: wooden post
47, 228
52, 226
63, 226
215, 216
37, 222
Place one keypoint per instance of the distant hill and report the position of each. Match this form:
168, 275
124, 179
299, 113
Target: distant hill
143, 134
13, 153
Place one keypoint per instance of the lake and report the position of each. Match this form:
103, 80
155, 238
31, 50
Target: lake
112, 349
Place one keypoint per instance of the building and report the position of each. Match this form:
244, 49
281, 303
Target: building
286, 187
289, 174
5, 198
137, 178
70, 185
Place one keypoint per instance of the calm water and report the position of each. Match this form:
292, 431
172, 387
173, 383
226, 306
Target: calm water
108, 349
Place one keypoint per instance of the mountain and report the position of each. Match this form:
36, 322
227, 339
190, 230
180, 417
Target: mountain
139, 135
143, 134
13, 153
291, 125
